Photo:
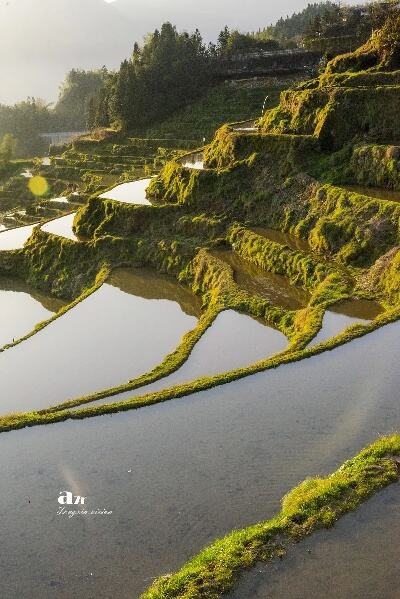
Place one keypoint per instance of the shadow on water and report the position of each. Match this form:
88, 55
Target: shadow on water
151, 285
194, 161
374, 192
358, 558
107, 339
179, 475
233, 341
344, 314
295, 243
22, 308
277, 289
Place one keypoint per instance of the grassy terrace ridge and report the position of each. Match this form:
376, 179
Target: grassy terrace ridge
63, 412
100, 279
316, 503
289, 175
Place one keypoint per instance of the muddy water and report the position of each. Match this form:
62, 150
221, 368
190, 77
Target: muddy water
130, 193
275, 288
180, 474
296, 243
358, 558
15, 239
234, 340
374, 192
61, 226
342, 315
112, 336
21, 308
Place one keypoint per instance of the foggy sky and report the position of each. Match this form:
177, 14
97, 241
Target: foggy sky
40, 40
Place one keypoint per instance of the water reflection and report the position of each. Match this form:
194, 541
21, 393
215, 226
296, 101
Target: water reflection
61, 226
179, 475
130, 193
195, 161
15, 239
296, 243
21, 308
343, 314
109, 338
275, 288
374, 192
366, 540
233, 341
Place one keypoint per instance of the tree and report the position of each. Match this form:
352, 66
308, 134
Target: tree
164, 74
7, 147
76, 92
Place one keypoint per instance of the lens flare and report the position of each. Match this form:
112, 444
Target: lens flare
38, 185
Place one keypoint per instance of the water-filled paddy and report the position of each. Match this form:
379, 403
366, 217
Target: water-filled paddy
61, 226
115, 334
15, 239
195, 161
178, 475
343, 314
21, 308
275, 288
367, 539
375, 192
233, 341
295, 243
130, 193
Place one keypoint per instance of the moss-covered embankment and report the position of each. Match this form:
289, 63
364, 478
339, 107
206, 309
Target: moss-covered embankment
316, 503
256, 179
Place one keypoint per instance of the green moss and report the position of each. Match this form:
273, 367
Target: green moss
314, 504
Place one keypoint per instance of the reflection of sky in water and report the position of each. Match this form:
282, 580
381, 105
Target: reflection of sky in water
15, 239
61, 226
130, 193
233, 341
241, 446
106, 340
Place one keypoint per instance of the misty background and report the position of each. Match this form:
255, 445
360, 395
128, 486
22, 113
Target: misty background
41, 40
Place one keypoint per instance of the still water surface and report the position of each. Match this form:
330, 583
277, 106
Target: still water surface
61, 226
275, 288
112, 336
178, 475
130, 193
343, 314
233, 341
357, 559
15, 239
375, 192
195, 161
21, 308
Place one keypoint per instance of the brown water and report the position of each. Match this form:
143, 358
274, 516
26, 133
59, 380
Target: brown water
343, 314
296, 243
275, 288
129, 193
15, 239
21, 308
374, 192
234, 340
61, 226
357, 559
180, 474
112, 336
